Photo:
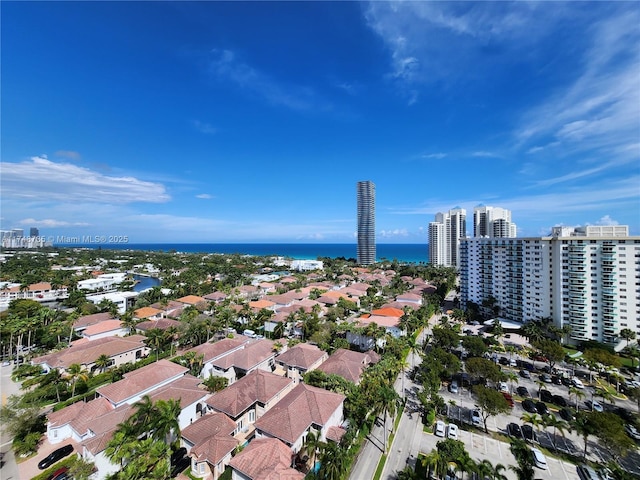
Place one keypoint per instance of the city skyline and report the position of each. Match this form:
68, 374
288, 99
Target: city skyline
213, 122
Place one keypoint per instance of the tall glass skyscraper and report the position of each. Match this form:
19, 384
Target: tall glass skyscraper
366, 192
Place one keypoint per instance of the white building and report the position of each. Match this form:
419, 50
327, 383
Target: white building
590, 282
103, 282
122, 300
445, 234
493, 222
305, 265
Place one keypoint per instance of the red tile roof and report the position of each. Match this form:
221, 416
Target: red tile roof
87, 320
388, 312
211, 437
349, 364
161, 324
248, 357
298, 410
257, 386
191, 299
146, 312
266, 459
141, 380
88, 352
216, 349
103, 327
301, 355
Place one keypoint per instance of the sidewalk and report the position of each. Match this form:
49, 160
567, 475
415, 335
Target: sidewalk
406, 443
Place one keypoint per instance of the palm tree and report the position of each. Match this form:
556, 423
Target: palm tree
166, 426
142, 421
434, 463
520, 450
513, 378
584, 427
333, 458
102, 362
155, 339
606, 395
533, 418
120, 448
579, 394
497, 472
557, 424
311, 444
628, 335
540, 385
388, 400
76, 373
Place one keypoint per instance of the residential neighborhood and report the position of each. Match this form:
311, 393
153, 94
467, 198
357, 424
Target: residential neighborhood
341, 371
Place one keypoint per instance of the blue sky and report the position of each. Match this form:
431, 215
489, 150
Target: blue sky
253, 122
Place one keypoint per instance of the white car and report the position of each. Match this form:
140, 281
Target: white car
503, 387
577, 383
594, 406
440, 429
453, 388
632, 431
476, 419
452, 431
539, 459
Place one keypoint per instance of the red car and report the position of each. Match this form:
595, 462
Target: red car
509, 399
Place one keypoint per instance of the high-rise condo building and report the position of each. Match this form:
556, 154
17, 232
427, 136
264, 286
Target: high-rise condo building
493, 222
444, 237
34, 232
587, 278
366, 193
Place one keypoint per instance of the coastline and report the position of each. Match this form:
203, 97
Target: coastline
402, 252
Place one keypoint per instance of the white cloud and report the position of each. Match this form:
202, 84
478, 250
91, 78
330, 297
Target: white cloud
70, 154
225, 66
607, 221
398, 232
206, 128
485, 154
204, 196
51, 223
436, 156
599, 110
434, 41
40, 179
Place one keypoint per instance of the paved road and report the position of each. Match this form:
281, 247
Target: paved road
406, 443
9, 469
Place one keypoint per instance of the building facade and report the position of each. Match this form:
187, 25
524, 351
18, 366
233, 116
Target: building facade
366, 196
445, 234
493, 222
586, 278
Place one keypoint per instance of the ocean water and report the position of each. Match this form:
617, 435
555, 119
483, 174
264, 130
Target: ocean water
402, 252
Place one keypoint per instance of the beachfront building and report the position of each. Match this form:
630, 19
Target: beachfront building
445, 233
587, 278
366, 196
493, 222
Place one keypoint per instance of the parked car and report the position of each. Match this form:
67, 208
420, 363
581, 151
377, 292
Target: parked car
60, 474
632, 431
54, 456
504, 361
559, 400
541, 408
503, 387
440, 429
566, 414
594, 406
529, 433
513, 362
180, 466
452, 431
523, 392
545, 396
509, 399
538, 459
476, 419
514, 430
546, 378
525, 374
453, 387
576, 382
178, 455
585, 472
540, 358
529, 405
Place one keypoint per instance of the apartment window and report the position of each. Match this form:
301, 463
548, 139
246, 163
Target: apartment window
252, 416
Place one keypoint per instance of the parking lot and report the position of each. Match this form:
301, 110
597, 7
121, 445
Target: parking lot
461, 404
